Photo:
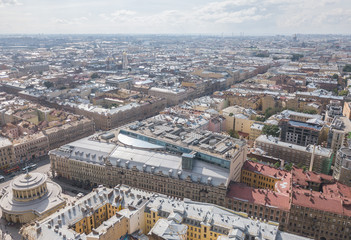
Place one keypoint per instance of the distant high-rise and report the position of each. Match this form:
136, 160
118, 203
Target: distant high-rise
124, 61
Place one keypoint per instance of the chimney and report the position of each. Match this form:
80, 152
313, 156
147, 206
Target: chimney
312, 158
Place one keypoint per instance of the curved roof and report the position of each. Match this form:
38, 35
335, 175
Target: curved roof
129, 141
28, 181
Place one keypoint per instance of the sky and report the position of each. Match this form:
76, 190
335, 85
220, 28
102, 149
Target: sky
228, 17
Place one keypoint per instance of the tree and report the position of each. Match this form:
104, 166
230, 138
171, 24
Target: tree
48, 84
347, 68
233, 133
94, 75
269, 112
343, 92
296, 57
276, 165
310, 111
335, 76
288, 167
260, 118
271, 130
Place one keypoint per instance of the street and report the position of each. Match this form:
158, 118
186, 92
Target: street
42, 167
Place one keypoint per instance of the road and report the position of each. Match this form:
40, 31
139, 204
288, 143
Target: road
43, 167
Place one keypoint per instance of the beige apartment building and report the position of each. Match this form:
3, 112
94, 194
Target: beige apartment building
173, 96
36, 145
31, 147
7, 154
296, 154
255, 131
106, 119
137, 158
71, 131
238, 119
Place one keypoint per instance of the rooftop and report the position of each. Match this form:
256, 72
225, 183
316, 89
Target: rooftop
28, 181
265, 197
325, 152
311, 126
40, 205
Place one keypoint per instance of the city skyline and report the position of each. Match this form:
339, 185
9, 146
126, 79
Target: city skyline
234, 18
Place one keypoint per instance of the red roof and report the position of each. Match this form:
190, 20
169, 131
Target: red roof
337, 190
316, 200
302, 178
265, 170
264, 197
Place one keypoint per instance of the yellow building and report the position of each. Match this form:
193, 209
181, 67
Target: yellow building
95, 218
258, 175
268, 102
243, 124
255, 131
203, 221
238, 119
7, 154
152, 214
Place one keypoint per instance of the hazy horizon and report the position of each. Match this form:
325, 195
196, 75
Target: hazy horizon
206, 17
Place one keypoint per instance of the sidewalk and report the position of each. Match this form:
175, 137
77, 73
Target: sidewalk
9, 232
66, 186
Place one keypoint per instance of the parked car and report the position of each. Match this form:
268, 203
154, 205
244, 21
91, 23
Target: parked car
30, 167
2, 178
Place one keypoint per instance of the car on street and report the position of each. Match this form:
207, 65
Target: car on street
29, 168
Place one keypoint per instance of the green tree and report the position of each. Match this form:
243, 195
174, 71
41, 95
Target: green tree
288, 167
48, 84
276, 165
233, 133
347, 68
296, 57
310, 111
335, 76
94, 75
269, 112
271, 130
343, 92
260, 118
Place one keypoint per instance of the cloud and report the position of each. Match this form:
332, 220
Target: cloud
225, 12
184, 16
8, 2
313, 14
74, 21
231, 12
118, 16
